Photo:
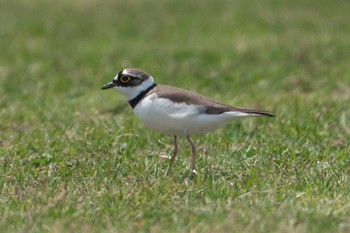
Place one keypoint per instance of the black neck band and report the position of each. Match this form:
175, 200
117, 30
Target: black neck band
137, 99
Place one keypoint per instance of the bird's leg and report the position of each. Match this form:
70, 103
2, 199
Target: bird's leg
173, 156
193, 148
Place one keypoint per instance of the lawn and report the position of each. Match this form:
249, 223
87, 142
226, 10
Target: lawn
76, 159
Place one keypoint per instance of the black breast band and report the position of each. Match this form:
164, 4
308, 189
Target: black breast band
137, 99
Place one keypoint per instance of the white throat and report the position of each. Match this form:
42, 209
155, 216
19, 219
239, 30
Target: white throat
132, 91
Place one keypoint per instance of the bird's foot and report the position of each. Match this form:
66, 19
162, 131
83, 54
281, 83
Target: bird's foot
167, 173
193, 174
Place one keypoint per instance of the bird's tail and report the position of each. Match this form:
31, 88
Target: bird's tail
256, 112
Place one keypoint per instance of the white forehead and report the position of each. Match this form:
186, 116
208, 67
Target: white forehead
127, 72
134, 73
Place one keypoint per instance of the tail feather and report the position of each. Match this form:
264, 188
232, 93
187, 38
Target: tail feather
256, 112
264, 113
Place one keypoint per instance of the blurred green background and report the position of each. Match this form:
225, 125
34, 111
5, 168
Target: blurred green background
76, 159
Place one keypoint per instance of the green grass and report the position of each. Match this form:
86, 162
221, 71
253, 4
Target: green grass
76, 159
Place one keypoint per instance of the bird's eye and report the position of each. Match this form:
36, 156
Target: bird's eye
124, 78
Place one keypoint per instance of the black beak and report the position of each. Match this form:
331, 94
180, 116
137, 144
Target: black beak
108, 85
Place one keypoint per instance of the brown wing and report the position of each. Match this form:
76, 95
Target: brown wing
211, 106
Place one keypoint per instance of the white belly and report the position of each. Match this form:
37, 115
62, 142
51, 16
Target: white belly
175, 118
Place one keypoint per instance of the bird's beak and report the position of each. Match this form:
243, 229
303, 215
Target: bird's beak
108, 85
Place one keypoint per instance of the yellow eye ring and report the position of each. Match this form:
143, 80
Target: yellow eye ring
124, 78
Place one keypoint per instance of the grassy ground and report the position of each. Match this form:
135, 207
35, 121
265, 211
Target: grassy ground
76, 159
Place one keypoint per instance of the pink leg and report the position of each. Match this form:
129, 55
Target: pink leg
173, 156
193, 148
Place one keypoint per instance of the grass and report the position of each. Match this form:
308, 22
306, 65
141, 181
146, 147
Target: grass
76, 159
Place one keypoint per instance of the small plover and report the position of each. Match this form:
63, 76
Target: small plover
175, 111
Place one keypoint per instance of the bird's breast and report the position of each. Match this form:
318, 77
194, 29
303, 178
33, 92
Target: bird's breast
164, 115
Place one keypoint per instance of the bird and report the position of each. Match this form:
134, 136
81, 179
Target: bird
175, 111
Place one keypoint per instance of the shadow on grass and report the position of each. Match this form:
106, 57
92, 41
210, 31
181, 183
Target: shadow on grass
115, 110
